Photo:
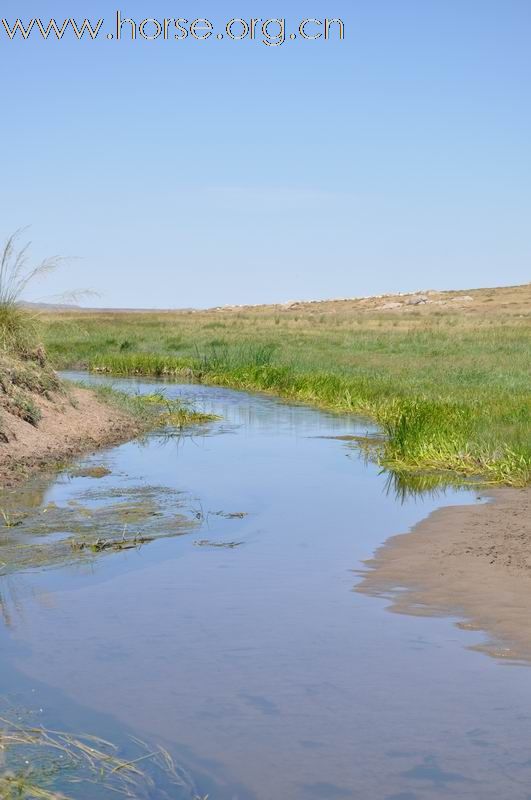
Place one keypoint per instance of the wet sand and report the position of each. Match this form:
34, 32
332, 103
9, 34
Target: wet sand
471, 562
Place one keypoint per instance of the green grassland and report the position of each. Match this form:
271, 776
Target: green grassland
449, 385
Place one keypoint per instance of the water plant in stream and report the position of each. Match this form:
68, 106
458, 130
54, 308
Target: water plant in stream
43, 764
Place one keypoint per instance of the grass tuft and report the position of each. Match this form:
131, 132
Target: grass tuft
18, 329
152, 410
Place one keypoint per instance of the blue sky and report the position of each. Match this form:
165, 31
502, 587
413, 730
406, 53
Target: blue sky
205, 173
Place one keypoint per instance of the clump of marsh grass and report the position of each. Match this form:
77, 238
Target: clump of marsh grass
441, 435
153, 409
18, 332
174, 413
410, 484
222, 358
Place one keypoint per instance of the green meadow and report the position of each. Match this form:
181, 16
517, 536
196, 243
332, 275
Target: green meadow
450, 388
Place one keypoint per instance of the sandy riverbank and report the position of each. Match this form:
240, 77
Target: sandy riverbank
472, 562
69, 426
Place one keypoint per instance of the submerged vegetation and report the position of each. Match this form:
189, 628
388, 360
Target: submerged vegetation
101, 519
43, 764
103, 513
450, 387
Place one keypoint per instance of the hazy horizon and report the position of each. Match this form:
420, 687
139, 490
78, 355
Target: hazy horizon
88, 306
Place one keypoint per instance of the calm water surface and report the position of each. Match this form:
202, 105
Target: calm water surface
258, 666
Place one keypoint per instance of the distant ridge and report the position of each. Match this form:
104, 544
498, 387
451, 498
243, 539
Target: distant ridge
519, 295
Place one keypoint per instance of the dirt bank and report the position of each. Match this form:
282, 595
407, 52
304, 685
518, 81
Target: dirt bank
473, 562
70, 425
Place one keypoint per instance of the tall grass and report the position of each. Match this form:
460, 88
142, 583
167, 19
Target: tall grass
18, 332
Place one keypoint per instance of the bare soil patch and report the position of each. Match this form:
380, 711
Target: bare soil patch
70, 425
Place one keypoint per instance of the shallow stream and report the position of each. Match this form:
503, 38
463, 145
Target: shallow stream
231, 632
